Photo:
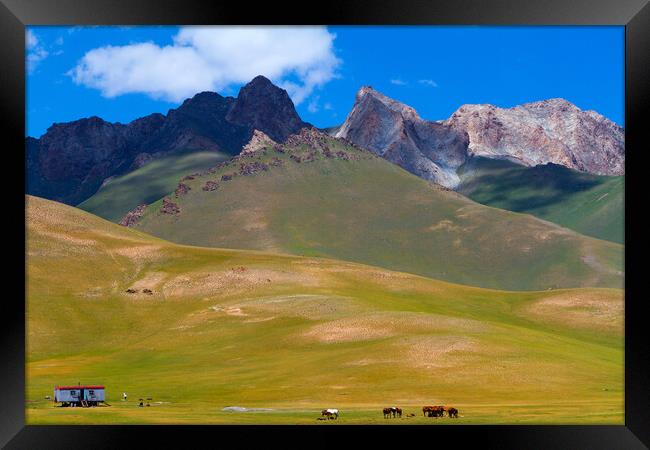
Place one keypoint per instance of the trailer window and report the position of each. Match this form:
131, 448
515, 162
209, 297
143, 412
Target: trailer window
91, 392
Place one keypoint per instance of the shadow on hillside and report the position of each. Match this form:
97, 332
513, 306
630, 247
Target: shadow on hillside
519, 188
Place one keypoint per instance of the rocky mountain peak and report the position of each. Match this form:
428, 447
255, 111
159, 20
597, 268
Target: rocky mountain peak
205, 98
263, 106
259, 81
368, 94
396, 132
552, 104
364, 90
548, 131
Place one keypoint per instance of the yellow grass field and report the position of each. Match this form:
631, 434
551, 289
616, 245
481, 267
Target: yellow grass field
293, 335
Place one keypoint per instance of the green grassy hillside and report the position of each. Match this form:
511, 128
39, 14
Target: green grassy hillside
295, 334
147, 184
359, 207
589, 204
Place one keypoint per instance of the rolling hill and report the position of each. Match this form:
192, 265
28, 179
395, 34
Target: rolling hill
147, 184
292, 335
589, 204
319, 196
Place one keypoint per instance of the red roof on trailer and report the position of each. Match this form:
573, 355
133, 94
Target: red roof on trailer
79, 387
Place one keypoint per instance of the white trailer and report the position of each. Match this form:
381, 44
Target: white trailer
81, 395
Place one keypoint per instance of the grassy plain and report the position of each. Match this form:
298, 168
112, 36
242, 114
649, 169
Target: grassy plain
297, 334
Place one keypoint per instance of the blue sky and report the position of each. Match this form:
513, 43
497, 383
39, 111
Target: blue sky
121, 73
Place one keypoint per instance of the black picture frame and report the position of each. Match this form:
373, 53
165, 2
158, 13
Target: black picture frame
633, 14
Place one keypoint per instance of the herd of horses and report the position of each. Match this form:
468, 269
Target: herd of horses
439, 411
394, 411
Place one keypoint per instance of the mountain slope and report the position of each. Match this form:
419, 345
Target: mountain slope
316, 195
229, 327
589, 204
120, 194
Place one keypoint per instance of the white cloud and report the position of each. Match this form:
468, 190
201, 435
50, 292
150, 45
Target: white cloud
37, 55
398, 82
299, 59
35, 51
313, 107
31, 39
431, 83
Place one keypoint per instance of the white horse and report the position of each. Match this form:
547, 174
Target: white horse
330, 413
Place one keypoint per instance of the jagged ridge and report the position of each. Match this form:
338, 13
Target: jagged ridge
72, 160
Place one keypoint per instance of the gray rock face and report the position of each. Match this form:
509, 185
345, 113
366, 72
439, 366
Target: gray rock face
549, 131
394, 131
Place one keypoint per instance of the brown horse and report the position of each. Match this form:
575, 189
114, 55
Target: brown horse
394, 411
452, 412
433, 411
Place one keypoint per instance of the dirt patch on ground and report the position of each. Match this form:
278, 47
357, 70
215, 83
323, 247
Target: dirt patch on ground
436, 351
388, 324
444, 225
261, 319
308, 306
138, 252
427, 352
151, 280
234, 311
69, 239
228, 282
595, 310
342, 274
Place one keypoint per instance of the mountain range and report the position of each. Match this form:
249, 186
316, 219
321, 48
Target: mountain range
550, 131
71, 160
111, 168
